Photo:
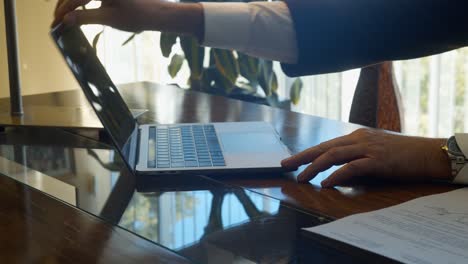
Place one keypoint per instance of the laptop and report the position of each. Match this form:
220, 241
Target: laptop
153, 149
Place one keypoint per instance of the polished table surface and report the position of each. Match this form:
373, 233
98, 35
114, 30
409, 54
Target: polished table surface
234, 219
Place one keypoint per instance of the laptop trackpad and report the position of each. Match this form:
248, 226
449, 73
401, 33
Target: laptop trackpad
250, 142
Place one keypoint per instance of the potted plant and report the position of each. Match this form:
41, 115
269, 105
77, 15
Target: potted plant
221, 77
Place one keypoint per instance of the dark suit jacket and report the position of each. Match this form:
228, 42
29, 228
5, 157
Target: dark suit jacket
337, 35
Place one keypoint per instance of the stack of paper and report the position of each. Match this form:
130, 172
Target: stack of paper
431, 229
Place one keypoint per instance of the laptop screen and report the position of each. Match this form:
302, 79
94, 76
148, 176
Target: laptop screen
99, 89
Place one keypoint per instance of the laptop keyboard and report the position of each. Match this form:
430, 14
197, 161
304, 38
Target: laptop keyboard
184, 146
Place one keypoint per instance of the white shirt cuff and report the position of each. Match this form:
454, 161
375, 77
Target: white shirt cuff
259, 29
226, 25
462, 142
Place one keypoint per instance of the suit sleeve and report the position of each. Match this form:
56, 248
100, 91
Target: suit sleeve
337, 35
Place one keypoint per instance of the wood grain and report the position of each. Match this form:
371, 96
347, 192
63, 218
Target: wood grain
39, 229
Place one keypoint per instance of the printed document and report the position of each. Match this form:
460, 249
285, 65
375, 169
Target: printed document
431, 229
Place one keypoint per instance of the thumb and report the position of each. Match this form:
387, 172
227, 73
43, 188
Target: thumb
91, 16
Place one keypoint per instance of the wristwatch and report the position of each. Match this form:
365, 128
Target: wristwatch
457, 159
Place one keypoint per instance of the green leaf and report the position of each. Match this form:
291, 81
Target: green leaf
295, 92
227, 64
273, 100
213, 80
265, 75
130, 38
274, 83
223, 82
194, 55
208, 78
175, 65
247, 87
96, 39
249, 67
166, 42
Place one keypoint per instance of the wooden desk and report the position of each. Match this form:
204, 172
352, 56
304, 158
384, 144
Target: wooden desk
297, 130
172, 105
37, 228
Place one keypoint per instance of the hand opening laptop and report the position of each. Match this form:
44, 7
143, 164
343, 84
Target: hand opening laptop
173, 148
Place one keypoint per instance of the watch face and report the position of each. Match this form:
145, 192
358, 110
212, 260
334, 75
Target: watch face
453, 147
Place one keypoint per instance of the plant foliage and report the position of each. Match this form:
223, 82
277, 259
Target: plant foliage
229, 73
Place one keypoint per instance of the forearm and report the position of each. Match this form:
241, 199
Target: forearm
180, 18
262, 29
134, 16
437, 161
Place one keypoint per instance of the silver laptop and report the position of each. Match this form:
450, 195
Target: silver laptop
173, 148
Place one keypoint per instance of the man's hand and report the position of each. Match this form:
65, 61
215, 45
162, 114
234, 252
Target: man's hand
134, 15
368, 152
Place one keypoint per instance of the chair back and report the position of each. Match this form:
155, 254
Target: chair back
377, 101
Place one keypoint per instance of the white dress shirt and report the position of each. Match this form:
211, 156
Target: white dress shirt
462, 142
259, 29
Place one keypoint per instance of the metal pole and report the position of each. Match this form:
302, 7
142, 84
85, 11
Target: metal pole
13, 58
